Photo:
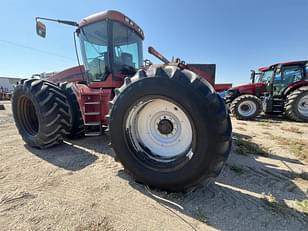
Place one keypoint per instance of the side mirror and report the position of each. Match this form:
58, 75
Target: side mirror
40, 29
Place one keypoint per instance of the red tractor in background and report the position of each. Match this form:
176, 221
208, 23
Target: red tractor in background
281, 88
167, 125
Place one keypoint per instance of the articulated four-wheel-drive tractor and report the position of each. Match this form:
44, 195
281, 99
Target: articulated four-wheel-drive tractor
280, 89
167, 125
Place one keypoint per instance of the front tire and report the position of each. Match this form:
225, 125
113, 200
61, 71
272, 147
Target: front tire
296, 106
169, 129
246, 107
41, 112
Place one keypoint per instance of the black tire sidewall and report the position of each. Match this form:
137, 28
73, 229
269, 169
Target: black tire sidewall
75, 132
244, 98
23, 91
52, 112
295, 106
197, 110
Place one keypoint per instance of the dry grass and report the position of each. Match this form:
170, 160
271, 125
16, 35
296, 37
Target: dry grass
303, 205
297, 147
299, 211
103, 225
302, 175
241, 128
242, 123
292, 129
269, 199
264, 124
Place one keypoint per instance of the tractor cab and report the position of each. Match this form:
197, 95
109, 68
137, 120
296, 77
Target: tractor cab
111, 44
111, 48
280, 77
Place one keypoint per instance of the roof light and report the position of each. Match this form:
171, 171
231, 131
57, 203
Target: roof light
126, 19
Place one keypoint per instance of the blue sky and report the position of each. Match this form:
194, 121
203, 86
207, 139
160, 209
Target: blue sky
237, 35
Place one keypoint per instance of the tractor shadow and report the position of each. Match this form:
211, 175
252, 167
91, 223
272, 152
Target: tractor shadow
75, 154
66, 156
98, 144
248, 194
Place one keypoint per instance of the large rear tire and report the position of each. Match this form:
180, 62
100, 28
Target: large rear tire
169, 128
246, 107
77, 129
296, 106
41, 112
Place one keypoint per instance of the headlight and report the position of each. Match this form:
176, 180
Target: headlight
222, 94
229, 93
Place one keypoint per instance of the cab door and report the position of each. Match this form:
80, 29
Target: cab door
286, 76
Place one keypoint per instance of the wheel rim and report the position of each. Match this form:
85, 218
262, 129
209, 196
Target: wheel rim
160, 129
247, 108
302, 106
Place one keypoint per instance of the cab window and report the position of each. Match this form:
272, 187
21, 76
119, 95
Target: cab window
292, 74
127, 49
285, 77
266, 76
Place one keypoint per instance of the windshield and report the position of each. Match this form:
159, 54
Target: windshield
119, 51
127, 49
94, 46
266, 76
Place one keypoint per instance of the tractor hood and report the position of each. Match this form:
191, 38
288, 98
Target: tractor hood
249, 88
73, 74
253, 89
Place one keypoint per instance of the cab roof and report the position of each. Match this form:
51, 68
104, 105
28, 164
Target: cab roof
301, 62
112, 15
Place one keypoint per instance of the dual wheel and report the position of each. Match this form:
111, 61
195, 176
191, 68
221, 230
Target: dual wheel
167, 126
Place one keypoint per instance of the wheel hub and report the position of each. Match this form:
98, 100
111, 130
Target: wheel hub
245, 107
303, 106
165, 126
161, 129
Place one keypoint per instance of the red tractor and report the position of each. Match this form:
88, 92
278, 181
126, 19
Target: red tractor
167, 125
280, 89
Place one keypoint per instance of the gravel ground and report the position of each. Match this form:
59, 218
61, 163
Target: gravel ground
78, 186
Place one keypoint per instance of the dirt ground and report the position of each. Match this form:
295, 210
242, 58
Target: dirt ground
78, 186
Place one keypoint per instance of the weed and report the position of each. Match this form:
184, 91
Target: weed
280, 207
238, 170
269, 199
303, 205
246, 147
